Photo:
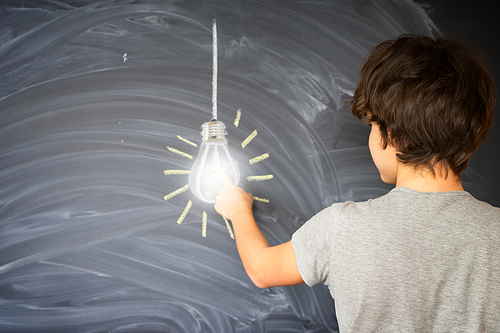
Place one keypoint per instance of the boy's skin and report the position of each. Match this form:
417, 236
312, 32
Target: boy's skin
271, 266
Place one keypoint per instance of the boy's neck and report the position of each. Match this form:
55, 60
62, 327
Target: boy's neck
423, 180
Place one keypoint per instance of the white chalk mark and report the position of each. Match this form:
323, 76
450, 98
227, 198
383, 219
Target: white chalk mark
237, 119
204, 225
259, 158
176, 192
184, 213
228, 226
91, 271
176, 172
187, 141
173, 150
125, 57
261, 199
248, 139
259, 178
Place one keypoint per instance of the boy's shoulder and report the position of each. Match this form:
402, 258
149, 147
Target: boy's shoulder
405, 201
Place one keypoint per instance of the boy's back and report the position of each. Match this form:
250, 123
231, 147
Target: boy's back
403, 262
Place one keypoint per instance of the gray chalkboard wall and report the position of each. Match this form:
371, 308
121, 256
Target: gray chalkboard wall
97, 99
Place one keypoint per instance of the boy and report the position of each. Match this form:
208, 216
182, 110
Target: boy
426, 256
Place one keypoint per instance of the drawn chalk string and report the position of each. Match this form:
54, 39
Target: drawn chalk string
214, 70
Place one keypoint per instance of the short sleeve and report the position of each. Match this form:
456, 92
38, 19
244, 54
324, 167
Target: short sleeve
312, 246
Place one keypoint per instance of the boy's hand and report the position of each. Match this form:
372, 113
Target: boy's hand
232, 199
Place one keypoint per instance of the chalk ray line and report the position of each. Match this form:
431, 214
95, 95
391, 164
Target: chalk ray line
186, 141
228, 226
248, 139
259, 158
237, 119
259, 178
261, 199
176, 192
204, 225
176, 172
185, 212
176, 151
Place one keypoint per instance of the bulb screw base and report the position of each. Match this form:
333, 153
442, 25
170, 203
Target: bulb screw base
213, 130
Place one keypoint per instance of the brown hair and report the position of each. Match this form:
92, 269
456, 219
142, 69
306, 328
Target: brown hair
432, 98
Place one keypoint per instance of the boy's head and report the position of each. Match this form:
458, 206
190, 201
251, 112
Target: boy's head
433, 99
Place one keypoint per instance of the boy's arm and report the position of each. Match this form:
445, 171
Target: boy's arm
265, 265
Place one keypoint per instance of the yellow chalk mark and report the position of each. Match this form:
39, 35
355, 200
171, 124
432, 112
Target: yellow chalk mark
259, 158
217, 171
228, 228
186, 141
184, 213
237, 119
176, 192
259, 178
176, 172
248, 139
173, 150
261, 199
204, 225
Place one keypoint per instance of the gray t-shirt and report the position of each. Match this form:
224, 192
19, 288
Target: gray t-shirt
407, 262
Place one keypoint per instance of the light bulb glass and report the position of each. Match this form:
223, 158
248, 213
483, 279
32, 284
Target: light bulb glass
212, 162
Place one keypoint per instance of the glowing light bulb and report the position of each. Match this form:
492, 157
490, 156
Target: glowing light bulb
212, 162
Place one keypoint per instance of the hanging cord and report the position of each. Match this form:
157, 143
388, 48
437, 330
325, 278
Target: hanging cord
214, 70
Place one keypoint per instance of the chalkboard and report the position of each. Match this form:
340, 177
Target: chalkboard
100, 103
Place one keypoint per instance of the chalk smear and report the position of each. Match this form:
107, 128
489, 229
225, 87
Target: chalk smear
173, 150
185, 212
176, 192
248, 139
